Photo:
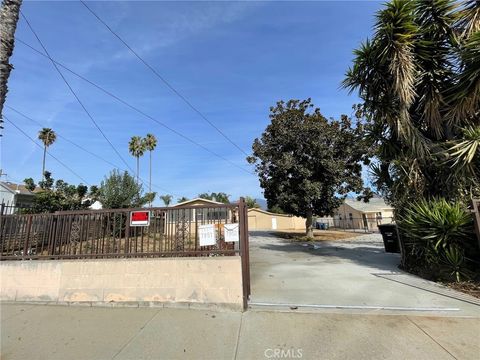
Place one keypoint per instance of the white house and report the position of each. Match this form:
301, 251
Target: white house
15, 195
354, 214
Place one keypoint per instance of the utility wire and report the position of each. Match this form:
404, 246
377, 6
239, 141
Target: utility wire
155, 72
64, 138
136, 109
81, 147
41, 147
74, 93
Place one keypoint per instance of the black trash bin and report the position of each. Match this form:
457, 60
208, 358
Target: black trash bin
390, 238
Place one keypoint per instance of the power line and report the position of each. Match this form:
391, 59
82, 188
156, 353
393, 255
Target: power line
74, 93
64, 138
41, 147
155, 72
141, 112
81, 147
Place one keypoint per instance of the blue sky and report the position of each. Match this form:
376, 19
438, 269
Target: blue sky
232, 60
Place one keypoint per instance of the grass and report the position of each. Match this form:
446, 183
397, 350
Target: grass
319, 235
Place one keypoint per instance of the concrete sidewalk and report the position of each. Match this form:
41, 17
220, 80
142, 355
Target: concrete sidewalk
67, 332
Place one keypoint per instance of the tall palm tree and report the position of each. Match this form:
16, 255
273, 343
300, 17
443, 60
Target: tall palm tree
419, 79
136, 146
48, 137
150, 145
167, 199
9, 13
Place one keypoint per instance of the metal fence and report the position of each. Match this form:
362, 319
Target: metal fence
11, 208
354, 224
108, 234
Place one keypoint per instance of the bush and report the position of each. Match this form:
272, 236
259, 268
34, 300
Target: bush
439, 239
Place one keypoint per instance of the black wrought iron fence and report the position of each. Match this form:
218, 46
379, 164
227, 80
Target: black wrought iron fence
355, 224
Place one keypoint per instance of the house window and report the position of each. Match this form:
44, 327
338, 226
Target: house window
211, 214
350, 216
379, 215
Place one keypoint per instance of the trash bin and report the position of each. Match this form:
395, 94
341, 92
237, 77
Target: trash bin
390, 238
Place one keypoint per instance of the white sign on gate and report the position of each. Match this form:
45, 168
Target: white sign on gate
231, 232
206, 235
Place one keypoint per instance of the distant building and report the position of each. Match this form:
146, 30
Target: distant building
94, 205
259, 219
16, 195
354, 214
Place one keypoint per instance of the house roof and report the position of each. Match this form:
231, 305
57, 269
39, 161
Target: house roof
375, 204
18, 188
268, 212
198, 199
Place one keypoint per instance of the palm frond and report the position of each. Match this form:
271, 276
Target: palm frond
465, 95
468, 21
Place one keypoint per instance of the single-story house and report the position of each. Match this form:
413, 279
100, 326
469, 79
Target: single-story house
354, 214
15, 195
258, 219
204, 214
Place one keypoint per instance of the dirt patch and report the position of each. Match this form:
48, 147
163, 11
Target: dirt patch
319, 235
471, 288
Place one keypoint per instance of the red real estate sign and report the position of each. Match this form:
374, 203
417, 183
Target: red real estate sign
140, 218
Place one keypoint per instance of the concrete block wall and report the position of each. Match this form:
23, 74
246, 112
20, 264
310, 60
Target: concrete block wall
206, 280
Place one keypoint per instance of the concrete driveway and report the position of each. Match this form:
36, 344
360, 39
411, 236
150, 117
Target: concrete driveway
353, 275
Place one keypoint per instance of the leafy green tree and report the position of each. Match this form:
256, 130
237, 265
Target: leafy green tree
136, 146
182, 199
94, 192
150, 145
220, 197
304, 160
251, 203
47, 182
30, 184
48, 137
276, 209
419, 79
82, 190
167, 199
120, 190
62, 196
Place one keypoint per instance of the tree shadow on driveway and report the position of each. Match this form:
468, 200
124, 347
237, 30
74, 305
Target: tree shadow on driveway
366, 254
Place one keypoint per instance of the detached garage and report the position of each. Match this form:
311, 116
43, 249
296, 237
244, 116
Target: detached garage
263, 220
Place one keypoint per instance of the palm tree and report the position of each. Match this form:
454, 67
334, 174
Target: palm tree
419, 79
9, 13
48, 137
150, 145
136, 146
167, 199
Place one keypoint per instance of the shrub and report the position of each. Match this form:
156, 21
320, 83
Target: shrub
438, 238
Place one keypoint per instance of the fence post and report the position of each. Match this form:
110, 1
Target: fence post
27, 238
243, 225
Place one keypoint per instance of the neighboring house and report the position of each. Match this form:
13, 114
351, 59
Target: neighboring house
203, 215
354, 214
198, 202
259, 219
96, 205
16, 195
